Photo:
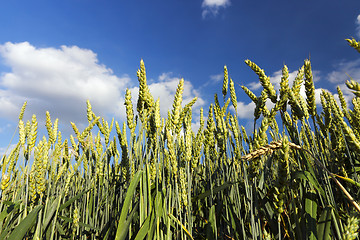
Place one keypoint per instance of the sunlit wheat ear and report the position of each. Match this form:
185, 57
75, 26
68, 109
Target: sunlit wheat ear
262, 137
304, 107
171, 148
245, 137
349, 135
326, 113
335, 109
183, 187
264, 80
298, 82
188, 140
295, 105
283, 174
351, 228
342, 99
201, 119
76, 219
13, 158
251, 95
89, 112
87, 130
33, 133
32, 186
309, 88
233, 126
353, 43
22, 133
279, 105
284, 87
145, 100
288, 119
40, 165
284, 83
355, 86
157, 114
129, 112
218, 118
68, 182
55, 130
233, 95
225, 83
197, 144
5, 182
76, 130
185, 113
177, 104
260, 105
21, 115
49, 129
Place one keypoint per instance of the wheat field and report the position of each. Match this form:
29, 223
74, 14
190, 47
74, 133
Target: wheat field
294, 177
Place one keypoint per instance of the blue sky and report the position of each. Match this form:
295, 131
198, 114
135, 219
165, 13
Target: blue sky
55, 55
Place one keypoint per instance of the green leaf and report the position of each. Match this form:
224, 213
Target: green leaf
9, 210
144, 228
158, 204
182, 226
121, 231
50, 212
21, 229
305, 175
73, 199
349, 180
211, 225
323, 227
310, 214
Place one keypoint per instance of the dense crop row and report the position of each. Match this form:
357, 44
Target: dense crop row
158, 179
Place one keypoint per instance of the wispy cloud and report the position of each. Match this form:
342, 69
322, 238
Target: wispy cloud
217, 78
213, 6
345, 70
358, 26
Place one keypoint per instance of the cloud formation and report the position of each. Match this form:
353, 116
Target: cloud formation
60, 80
213, 6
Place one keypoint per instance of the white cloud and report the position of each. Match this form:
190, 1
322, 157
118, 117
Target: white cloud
358, 25
245, 111
57, 79
60, 80
213, 6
